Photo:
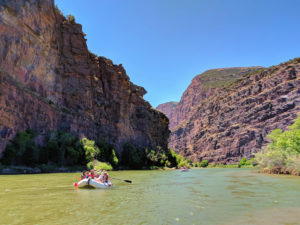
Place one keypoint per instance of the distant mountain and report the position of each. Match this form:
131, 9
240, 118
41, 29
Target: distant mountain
226, 114
167, 108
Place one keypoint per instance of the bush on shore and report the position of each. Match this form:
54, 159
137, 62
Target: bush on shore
99, 165
21, 150
282, 155
61, 150
203, 163
134, 157
245, 163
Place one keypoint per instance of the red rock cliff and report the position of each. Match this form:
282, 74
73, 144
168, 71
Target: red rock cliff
167, 108
49, 80
234, 121
202, 87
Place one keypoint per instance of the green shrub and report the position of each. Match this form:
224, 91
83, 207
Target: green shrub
21, 150
90, 165
177, 160
63, 149
157, 157
173, 158
71, 18
135, 158
90, 149
99, 165
183, 164
226, 166
282, 155
213, 165
244, 163
104, 166
10, 155
114, 161
107, 153
203, 163
168, 163
132, 156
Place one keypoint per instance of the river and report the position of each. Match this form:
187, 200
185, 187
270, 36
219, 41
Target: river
201, 196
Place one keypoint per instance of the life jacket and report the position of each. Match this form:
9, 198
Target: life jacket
105, 178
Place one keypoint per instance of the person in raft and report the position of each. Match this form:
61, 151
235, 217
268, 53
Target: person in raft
99, 176
92, 174
105, 177
84, 175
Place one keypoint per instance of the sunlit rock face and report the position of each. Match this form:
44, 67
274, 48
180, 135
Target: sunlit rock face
167, 108
223, 123
50, 81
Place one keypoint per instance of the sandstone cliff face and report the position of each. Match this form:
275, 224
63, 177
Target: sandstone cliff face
167, 108
202, 87
50, 81
234, 122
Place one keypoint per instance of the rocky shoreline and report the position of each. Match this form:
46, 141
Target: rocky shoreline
14, 170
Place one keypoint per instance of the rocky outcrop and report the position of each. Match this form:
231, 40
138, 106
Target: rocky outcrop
233, 121
50, 81
167, 108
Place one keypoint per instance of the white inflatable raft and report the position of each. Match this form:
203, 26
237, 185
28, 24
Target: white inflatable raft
88, 182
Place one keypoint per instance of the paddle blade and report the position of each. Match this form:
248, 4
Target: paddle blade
128, 181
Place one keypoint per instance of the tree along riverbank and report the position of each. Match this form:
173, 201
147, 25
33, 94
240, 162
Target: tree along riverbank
282, 155
63, 152
66, 153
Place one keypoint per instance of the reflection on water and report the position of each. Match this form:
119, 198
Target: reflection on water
201, 196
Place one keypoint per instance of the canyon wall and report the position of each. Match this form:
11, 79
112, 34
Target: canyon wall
203, 86
225, 123
167, 108
50, 81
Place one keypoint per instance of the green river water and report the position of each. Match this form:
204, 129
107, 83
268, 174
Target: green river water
201, 196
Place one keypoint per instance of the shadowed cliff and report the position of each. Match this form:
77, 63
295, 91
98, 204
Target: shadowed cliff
50, 81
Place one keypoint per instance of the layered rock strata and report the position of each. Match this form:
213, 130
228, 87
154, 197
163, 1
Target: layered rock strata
234, 121
202, 87
50, 81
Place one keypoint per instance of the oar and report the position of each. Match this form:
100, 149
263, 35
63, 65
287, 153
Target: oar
128, 181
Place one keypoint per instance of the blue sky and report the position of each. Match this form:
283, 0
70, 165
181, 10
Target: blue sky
163, 44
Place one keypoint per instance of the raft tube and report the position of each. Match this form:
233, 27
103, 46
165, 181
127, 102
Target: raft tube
88, 182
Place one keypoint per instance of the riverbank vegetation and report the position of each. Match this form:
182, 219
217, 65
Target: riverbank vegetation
282, 155
136, 158
243, 163
64, 150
